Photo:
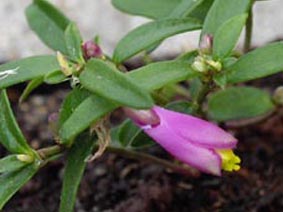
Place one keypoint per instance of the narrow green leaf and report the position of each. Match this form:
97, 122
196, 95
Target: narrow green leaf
127, 133
221, 11
131, 136
201, 10
11, 182
259, 63
71, 102
238, 103
159, 74
188, 57
74, 170
196, 86
74, 42
159, 9
181, 106
101, 78
227, 36
11, 136
55, 77
48, 23
32, 85
150, 77
156, 9
149, 34
11, 163
89, 111
184, 8
26, 69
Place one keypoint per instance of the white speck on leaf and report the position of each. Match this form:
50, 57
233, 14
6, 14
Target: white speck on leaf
6, 73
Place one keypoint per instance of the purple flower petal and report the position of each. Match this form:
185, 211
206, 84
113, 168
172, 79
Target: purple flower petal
204, 159
197, 131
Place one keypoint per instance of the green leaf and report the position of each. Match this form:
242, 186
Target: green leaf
27, 69
156, 9
48, 23
74, 42
188, 57
259, 63
71, 102
55, 77
227, 36
11, 136
221, 11
159, 74
181, 106
184, 8
127, 133
32, 85
89, 111
101, 78
196, 86
131, 136
149, 34
11, 182
150, 77
11, 163
238, 103
159, 9
201, 10
142, 140
75, 166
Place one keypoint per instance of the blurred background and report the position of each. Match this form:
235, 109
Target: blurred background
99, 17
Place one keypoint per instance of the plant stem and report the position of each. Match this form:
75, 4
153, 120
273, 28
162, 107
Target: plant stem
56, 150
179, 89
152, 159
51, 151
249, 30
198, 102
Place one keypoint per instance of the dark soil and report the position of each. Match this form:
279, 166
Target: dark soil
113, 183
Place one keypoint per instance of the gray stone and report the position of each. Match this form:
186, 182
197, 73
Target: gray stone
99, 17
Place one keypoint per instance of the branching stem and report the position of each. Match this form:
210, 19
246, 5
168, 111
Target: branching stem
55, 150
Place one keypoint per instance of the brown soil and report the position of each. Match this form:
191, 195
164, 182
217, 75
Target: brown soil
113, 183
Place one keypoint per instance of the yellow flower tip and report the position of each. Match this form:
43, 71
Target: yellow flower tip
230, 161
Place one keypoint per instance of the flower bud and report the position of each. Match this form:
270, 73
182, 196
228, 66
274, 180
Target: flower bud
206, 43
278, 95
215, 65
199, 65
25, 158
145, 118
91, 49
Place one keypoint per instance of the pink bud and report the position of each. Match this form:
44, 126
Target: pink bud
206, 43
91, 49
144, 118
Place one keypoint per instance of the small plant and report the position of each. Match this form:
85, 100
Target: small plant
99, 83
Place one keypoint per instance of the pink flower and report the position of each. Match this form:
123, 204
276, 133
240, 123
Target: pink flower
193, 141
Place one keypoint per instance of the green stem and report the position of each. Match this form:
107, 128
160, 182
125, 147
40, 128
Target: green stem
199, 100
48, 152
249, 30
152, 159
56, 150
181, 91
